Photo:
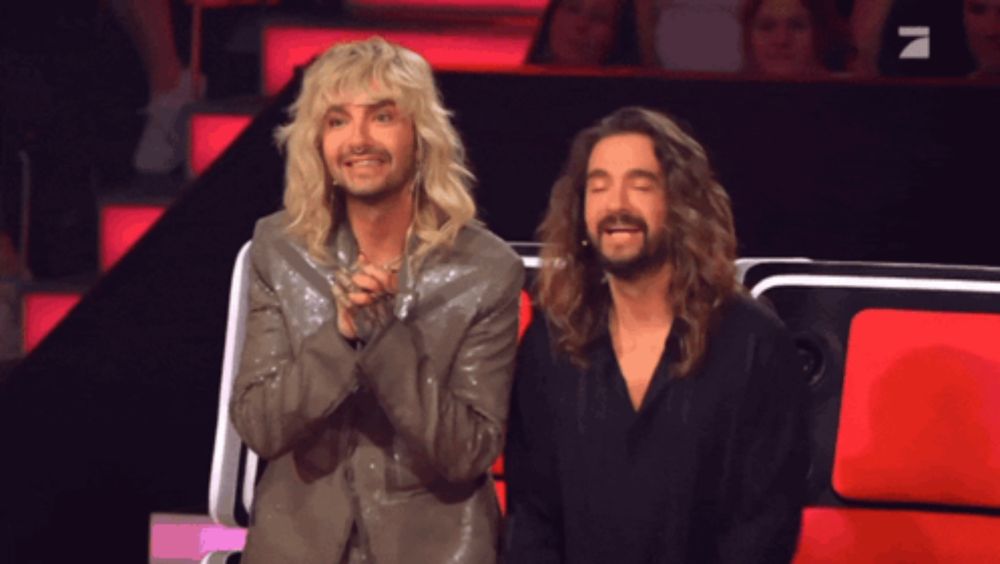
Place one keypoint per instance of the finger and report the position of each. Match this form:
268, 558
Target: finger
370, 282
361, 299
386, 278
340, 296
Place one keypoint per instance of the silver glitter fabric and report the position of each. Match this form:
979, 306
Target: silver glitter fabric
379, 454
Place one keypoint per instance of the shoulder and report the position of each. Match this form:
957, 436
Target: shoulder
270, 228
477, 244
482, 253
270, 237
742, 313
749, 330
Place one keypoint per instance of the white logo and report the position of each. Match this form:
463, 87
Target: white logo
919, 48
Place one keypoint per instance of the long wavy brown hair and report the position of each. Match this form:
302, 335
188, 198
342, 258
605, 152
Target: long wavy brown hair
702, 241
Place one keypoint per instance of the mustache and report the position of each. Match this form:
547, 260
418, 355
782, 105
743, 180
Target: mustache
622, 219
368, 151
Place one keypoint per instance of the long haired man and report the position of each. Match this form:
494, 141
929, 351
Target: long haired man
381, 331
658, 412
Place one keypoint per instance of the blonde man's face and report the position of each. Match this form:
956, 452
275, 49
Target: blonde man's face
369, 146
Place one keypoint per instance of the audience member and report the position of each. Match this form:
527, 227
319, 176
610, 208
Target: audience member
690, 35
171, 86
10, 270
788, 38
586, 33
981, 19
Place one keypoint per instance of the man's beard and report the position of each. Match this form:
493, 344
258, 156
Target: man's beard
653, 253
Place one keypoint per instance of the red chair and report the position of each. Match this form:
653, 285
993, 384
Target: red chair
904, 367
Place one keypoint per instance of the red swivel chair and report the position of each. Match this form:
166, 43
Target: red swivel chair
904, 368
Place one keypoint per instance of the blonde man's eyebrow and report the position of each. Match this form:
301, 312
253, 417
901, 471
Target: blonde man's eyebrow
334, 109
373, 105
382, 103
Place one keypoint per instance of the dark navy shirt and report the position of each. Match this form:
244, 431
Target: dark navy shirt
710, 468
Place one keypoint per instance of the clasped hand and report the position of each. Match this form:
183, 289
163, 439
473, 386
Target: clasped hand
364, 297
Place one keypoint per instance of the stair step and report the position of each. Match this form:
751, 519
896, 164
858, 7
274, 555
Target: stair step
285, 46
43, 307
464, 8
213, 126
122, 225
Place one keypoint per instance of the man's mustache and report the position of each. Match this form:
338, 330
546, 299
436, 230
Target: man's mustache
365, 152
622, 220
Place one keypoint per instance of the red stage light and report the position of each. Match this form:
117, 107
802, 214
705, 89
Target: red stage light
211, 135
501, 488
121, 226
285, 48
42, 312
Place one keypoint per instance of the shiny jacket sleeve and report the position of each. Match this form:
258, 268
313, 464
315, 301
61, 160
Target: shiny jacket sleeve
768, 456
456, 422
533, 533
283, 395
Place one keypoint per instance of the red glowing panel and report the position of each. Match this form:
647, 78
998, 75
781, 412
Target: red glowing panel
501, 488
42, 312
121, 226
211, 135
285, 48
920, 415
467, 5
524, 315
497, 468
864, 535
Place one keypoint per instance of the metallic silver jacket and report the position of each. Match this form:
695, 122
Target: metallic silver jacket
395, 439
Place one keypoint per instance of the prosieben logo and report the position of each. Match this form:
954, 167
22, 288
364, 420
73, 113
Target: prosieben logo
920, 46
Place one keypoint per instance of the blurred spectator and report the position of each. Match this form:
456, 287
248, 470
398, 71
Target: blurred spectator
586, 33
690, 35
171, 86
788, 38
981, 19
10, 341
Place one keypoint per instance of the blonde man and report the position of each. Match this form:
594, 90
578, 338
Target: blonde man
381, 331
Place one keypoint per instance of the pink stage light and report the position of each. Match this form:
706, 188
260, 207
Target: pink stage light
192, 541
211, 135
42, 312
285, 48
121, 226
